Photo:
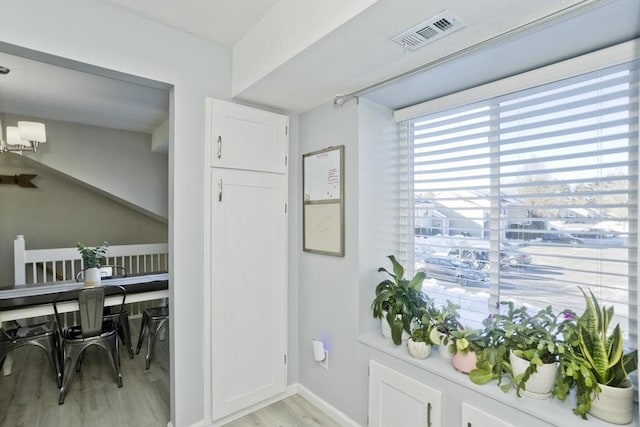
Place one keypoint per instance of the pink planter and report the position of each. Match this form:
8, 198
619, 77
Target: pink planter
465, 362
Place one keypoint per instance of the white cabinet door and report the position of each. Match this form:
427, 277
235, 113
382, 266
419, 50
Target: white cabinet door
474, 417
246, 138
398, 400
249, 283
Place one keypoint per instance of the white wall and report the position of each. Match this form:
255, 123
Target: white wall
334, 294
97, 33
114, 162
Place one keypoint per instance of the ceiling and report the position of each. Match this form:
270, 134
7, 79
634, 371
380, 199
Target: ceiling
322, 55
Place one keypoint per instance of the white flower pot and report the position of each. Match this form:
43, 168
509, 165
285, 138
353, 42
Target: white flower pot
418, 349
540, 383
614, 404
386, 330
443, 351
92, 277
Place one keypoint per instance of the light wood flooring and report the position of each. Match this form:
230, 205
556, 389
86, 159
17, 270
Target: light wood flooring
29, 397
293, 411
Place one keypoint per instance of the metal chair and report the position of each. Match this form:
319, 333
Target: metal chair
152, 320
42, 335
120, 319
93, 330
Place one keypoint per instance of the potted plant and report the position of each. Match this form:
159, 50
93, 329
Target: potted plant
91, 261
398, 301
523, 350
444, 320
419, 344
465, 345
597, 366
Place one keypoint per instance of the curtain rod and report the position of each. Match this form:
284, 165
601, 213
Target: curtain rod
340, 99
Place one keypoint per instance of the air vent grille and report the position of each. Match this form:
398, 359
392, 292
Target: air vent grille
429, 31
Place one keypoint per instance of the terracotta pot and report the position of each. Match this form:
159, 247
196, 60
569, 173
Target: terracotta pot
540, 384
465, 362
614, 404
418, 349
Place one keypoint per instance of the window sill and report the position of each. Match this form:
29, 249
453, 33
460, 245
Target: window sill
550, 410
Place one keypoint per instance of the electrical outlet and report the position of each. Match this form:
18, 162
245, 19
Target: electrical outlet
325, 362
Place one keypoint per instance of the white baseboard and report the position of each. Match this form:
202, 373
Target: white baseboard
331, 411
289, 391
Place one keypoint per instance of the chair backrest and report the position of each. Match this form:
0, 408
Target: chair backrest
91, 303
90, 306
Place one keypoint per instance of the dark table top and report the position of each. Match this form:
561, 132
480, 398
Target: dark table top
44, 293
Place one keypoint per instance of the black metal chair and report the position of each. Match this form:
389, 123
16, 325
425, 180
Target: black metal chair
152, 320
43, 335
93, 330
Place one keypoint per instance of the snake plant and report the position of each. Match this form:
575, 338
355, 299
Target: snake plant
596, 356
400, 300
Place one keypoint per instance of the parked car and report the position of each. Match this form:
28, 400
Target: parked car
596, 233
480, 258
452, 269
561, 238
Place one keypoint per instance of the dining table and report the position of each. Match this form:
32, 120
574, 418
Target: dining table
35, 300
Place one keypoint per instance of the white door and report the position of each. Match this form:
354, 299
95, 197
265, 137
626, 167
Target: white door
474, 417
248, 299
246, 138
398, 400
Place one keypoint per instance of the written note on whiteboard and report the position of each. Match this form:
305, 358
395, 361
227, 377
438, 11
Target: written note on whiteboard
322, 176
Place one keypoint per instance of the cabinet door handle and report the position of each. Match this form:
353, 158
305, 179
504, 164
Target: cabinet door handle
428, 414
219, 147
219, 190
469, 424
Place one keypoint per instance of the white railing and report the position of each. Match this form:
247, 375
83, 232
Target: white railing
61, 264
58, 264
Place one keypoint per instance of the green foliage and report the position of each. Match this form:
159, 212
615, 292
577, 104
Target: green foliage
401, 299
92, 257
464, 340
596, 356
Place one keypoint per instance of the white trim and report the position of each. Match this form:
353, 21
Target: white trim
330, 410
615, 55
289, 391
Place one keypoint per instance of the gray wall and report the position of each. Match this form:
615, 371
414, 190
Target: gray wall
334, 294
97, 33
61, 212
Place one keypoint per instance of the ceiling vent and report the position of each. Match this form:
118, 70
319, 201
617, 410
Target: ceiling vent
429, 31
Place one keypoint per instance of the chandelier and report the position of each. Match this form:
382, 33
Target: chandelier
24, 137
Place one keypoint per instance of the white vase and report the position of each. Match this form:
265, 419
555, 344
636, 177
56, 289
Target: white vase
418, 349
92, 277
540, 383
443, 351
386, 329
614, 404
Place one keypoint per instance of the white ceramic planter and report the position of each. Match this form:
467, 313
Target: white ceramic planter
443, 351
386, 330
614, 404
465, 362
418, 350
92, 277
540, 384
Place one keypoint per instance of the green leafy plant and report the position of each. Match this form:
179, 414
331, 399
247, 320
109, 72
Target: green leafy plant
399, 300
464, 340
535, 338
92, 257
423, 330
596, 356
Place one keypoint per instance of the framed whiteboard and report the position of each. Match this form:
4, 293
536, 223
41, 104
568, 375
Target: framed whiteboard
323, 200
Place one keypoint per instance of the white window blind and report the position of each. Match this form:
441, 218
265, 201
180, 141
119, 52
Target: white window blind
529, 196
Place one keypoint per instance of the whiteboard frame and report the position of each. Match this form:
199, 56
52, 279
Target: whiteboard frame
314, 224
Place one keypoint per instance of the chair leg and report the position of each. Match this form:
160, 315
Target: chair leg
113, 354
141, 335
70, 361
126, 334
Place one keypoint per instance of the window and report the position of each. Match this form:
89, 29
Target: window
538, 189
